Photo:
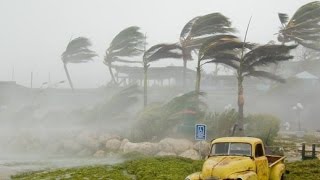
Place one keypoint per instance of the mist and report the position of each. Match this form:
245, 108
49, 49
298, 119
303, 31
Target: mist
48, 121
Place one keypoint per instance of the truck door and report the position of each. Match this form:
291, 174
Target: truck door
261, 161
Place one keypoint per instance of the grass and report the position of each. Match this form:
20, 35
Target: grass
308, 169
162, 168
158, 168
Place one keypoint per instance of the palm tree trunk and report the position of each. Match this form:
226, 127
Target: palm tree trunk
239, 129
111, 74
68, 76
145, 86
198, 79
184, 73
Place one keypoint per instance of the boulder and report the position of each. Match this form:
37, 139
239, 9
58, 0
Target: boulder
123, 142
175, 145
113, 144
99, 153
191, 153
205, 147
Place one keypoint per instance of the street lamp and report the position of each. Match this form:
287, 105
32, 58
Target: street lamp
298, 108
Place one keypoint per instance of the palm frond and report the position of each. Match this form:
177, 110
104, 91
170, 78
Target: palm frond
129, 42
187, 28
211, 24
269, 53
78, 51
304, 27
162, 51
283, 18
267, 75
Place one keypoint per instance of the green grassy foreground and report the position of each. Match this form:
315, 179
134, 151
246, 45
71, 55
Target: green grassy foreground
162, 168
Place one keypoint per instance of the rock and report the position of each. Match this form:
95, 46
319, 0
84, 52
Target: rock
175, 145
99, 153
130, 147
123, 142
162, 153
147, 148
205, 147
113, 144
191, 153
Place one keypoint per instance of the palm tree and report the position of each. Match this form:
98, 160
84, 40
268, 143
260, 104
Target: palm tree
77, 51
304, 26
129, 42
246, 58
198, 30
155, 53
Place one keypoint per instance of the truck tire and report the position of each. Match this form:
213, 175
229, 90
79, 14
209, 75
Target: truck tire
283, 177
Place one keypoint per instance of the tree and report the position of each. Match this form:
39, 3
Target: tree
304, 26
77, 51
155, 53
246, 58
198, 30
129, 42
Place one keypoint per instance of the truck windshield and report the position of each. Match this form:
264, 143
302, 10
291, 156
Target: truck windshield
229, 148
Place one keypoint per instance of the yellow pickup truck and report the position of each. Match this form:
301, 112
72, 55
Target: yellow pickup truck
240, 158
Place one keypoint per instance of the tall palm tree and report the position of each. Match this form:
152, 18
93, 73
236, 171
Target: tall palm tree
198, 30
77, 51
129, 42
246, 58
304, 26
155, 53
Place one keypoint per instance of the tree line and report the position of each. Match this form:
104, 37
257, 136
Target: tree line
211, 38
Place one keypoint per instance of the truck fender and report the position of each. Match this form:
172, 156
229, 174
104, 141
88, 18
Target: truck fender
194, 176
277, 171
246, 175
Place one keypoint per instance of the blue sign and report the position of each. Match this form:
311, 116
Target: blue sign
200, 132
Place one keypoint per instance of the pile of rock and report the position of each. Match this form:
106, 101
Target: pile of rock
165, 147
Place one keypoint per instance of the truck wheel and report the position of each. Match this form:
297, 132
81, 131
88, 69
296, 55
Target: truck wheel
283, 177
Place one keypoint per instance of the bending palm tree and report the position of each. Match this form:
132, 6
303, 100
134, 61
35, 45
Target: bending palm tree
129, 42
77, 51
155, 53
244, 57
303, 28
198, 30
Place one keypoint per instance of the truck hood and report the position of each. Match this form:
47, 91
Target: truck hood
223, 166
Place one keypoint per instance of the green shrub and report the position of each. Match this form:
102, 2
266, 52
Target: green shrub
263, 126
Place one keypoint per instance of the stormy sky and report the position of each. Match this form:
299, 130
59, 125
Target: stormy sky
34, 33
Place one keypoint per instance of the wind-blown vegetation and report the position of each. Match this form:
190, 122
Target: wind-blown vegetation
246, 58
77, 51
128, 43
304, 26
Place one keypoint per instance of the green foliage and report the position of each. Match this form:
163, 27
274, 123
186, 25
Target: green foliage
78, 51
304, 26
129, 42
226, 49
160, 168
91, 172
168, 168
263, 126
308, 169
158, 120
220, 124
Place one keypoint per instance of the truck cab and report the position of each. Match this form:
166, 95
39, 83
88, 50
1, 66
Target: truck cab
240, 158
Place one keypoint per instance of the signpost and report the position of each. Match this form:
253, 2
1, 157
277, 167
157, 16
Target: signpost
200, 134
